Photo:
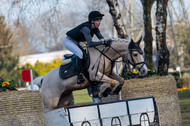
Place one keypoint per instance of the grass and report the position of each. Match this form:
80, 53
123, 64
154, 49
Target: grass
81, 97
184, 100
184, 94
185, 105
186, 75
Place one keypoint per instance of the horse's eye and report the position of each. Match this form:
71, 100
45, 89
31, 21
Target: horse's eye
135, 54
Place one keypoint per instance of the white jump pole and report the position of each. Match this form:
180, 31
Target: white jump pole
31, 77
117, 71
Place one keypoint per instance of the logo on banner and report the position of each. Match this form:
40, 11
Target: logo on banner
85, 123
115, 121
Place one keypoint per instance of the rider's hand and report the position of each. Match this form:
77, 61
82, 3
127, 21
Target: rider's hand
107, 42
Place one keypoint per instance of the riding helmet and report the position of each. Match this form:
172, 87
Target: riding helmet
95, 15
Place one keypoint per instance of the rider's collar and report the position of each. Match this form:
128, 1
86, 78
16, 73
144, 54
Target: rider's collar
92, 25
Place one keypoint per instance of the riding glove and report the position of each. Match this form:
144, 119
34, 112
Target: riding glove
107, 42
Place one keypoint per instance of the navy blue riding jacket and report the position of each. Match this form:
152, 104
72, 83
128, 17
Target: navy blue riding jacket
85, 32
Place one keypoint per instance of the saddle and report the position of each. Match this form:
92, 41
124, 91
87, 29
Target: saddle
69, 65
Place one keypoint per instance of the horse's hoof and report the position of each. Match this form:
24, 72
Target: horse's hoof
117, 90
106, 92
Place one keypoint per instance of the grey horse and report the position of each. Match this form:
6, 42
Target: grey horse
57, 92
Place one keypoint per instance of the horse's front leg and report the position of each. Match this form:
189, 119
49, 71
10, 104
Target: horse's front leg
106, 79
120, 80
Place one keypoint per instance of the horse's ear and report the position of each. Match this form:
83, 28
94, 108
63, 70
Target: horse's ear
139, 41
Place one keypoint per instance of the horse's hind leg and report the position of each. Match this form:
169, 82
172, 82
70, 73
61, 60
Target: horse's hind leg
50, 103
50, 99
66, 100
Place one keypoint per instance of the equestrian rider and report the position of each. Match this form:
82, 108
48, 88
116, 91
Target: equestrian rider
85, 32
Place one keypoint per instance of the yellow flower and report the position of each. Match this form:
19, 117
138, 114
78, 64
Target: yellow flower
181, 89
7, 83
3, 84
148, 69
178, 89
135, 72
184, 89
15, 85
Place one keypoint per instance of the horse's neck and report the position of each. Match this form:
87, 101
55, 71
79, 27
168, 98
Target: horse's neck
114, 52
119, 49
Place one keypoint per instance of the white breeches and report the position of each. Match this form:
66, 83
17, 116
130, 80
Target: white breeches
72, 46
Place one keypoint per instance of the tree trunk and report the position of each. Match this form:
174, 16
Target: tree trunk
184, 12
147, 5
116, 15
163, 52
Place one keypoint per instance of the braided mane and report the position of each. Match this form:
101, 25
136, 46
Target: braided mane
119, 40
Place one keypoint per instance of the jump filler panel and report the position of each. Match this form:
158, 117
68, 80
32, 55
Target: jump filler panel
132, 112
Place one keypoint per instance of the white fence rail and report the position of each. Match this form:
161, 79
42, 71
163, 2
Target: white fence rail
133, 112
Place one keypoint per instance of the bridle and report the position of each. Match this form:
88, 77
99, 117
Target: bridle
133, 62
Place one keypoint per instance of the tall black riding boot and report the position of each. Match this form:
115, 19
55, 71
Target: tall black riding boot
79, 66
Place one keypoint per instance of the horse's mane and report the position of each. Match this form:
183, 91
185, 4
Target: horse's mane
114, 40
119, 40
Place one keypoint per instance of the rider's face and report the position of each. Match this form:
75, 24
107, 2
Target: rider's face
96, 23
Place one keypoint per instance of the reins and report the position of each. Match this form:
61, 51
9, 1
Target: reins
103, 52
112, 61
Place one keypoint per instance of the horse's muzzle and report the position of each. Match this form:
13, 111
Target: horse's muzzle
143, 70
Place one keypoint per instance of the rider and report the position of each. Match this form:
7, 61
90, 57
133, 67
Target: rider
85, 32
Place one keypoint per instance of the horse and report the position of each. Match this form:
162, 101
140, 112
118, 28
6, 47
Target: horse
57, 92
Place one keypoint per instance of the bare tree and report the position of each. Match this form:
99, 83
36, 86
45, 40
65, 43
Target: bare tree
107, 25
8, 61
147, 5
6, 36
22, 45
51, 28
48, 21
184, 12
116, 15
163, 52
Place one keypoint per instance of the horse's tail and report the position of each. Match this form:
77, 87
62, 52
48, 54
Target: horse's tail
38, 81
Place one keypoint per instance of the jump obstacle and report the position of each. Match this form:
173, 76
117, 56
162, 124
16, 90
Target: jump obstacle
21, 108
26, 108
142, 111
162, 88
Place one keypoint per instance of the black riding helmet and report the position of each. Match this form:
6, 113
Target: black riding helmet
95, 15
